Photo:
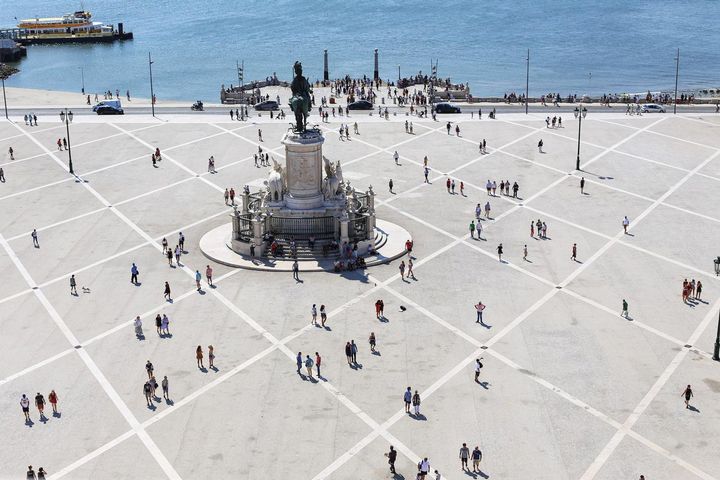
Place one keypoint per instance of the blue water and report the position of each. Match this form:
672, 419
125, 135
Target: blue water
611, 46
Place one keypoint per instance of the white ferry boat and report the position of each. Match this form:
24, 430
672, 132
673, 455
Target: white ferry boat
70, 28
78, 23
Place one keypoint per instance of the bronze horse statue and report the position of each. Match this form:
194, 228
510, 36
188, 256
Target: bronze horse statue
300, 100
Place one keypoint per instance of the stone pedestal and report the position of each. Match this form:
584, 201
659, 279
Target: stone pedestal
304, 165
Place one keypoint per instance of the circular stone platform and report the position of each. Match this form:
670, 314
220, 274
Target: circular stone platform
215, 246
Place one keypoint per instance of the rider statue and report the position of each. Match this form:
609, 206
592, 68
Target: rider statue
300, 100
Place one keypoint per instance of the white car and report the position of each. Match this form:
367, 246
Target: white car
652, 108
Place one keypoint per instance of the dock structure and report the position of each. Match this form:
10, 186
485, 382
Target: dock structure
23, 36
11, 51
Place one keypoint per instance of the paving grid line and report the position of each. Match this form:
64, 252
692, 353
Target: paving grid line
81, 144
111, 331
186, 400
21, 135
90, 364
539, 278
124, 252
652, 393
230, 305
548, 385
579, 270
627, 154
118, 164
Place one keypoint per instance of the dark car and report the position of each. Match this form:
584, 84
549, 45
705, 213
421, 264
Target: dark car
446, 108
109, 110
267, 105
360, 105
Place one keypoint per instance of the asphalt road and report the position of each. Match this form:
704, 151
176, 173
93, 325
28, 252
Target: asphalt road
566, 109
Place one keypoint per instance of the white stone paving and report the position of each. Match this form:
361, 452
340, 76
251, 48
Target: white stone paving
570, 389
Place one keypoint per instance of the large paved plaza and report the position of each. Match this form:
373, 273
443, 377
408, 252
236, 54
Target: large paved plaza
569, 390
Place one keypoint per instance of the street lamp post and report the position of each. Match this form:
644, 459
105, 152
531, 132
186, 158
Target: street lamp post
677, 73
579, 115
527, 83
66, 117
152, 93
82, 76
5, 72
716, 353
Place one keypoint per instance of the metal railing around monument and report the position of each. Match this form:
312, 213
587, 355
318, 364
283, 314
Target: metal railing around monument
301, 228
242, 226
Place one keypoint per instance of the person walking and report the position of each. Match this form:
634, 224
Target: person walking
199, 357
178, 254
426, 171
687, 393
410, 272
134, 274
377, 309
53, 399
396, 157
573, 256
296, 270
260, 135
353, 350
540, 145
582, 186
424, 467
313, 315
476, 458
166, 293
318, 360
25, 405
698, 290
464, 455
625, 224
478, 366
209, 275
525, 253
407, 398
232, 196
149, 369
323, 316
392, 456
479, 308
371, 340
487, 210
165, 325
34, 236
624, 312
299, 362
2, 175
416, 403
401, 267
472, 228
226, 195
165, 388
40, 404
500, 252
169, 255
73, 285
164, 245
198, 278
158, 324
41, 474
147, 391
309, 365
348, 353
211, 357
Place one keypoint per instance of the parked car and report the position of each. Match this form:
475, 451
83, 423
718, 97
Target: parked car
360, 105
446, 108
108, 110
652, 108
267, 105
109, 107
